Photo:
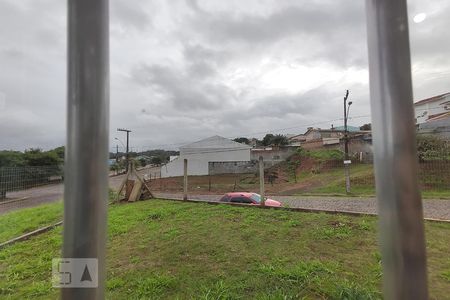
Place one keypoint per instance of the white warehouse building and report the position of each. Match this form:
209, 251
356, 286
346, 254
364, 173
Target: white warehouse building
200, 154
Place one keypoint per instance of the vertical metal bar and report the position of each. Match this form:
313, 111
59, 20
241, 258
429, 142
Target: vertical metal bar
128, 151
400, 207
185, 180
261, 179
86, 171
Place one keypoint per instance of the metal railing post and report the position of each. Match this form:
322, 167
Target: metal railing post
400, 207
86, 169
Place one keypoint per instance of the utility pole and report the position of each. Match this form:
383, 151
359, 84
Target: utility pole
347, 162
117, 153
128, 145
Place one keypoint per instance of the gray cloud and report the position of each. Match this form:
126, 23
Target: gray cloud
204, 62
287, 22
183, 70
130, 14
183, 90
334, 31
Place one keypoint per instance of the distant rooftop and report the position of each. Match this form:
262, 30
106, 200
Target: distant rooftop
349, 128
215, 142
432, 99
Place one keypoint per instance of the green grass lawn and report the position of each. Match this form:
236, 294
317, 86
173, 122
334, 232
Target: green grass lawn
172, 250
26, 220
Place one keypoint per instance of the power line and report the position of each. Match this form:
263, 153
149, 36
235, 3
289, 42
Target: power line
263, 132
299, 126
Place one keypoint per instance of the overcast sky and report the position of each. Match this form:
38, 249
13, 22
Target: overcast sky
184, 70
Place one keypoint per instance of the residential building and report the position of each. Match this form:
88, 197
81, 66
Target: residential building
199, 154
360, 141
431, 108
272, 155
438, 126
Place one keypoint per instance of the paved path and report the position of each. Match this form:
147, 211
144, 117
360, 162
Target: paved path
45, 194
434, 209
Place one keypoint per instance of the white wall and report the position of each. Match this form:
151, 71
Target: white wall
423, 111
198, 161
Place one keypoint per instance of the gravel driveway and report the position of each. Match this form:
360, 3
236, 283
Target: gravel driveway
434, 209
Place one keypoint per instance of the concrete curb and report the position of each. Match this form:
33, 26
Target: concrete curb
30, 234
300, 209
14, 200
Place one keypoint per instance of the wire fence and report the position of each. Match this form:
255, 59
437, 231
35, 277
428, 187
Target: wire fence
318, 177
315, 177
21, 178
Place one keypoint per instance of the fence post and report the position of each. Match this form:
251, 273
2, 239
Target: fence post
209, 182
86, 169
2, 186
347, 175
185, 180
399, 203
261, 180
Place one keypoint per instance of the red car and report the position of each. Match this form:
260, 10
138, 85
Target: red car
248, 198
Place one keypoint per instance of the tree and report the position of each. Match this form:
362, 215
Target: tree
143, 162
156, 160
37, 157
242, 140
118, 166
292, 165
60, 151
11, 159
366, 127
164, 155
280, 140
267, 139
431, 147
275, 140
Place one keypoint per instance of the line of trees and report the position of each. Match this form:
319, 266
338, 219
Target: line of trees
32, 157
268, 140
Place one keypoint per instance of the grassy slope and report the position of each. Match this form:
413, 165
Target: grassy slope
26, 220
332, 182
168, 250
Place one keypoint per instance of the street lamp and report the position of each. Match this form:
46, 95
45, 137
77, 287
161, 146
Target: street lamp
117, 148
346, 160
120, 142
346, 112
